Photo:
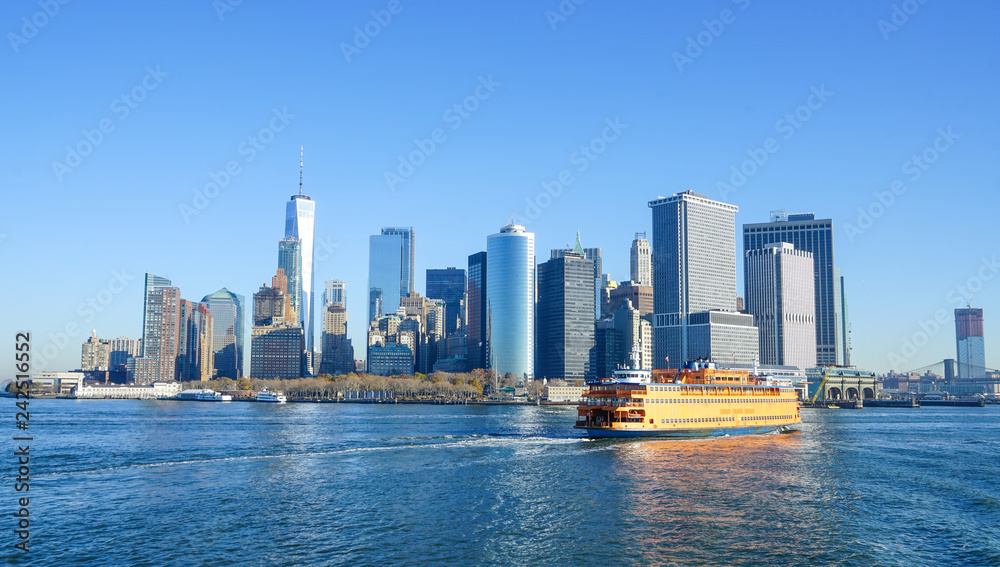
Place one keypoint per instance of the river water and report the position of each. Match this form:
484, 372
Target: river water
165, 483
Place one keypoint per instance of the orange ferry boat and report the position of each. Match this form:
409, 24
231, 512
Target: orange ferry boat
700, 400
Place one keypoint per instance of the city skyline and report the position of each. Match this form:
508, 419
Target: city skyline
410, 264
907, 266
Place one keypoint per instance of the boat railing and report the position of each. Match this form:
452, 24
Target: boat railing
609, 404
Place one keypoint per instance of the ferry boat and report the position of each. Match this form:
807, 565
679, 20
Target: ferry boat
210, 396
206, 395
700, 400
271, 396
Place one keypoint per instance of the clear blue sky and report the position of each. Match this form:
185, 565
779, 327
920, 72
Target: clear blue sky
688, 123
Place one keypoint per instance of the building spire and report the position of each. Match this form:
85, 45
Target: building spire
578, 247
301, 151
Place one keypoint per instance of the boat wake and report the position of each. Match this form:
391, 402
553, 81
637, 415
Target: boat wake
411, 443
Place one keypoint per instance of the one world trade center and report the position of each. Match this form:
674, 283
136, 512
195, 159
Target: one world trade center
300, 223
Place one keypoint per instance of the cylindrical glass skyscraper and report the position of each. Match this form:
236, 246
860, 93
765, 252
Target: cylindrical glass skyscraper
510, 299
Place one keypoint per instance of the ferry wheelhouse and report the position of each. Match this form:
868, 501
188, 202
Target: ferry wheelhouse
700, 400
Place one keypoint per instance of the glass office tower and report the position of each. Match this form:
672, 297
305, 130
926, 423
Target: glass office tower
566, 317
694, 283
407, 241
806, 232
390, 270
385, 257
476, 326
290, 261
449, 286
227, 308
300, 223
510, 298
593, 254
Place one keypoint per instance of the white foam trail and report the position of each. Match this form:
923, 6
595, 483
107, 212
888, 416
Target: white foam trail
472, 441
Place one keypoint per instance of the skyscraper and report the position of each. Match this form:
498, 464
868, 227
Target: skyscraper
449, 286
807, 233
476, 326
406, 270
390, 270
594, 255
607, 348
510, 301
121, 349
290, 261
194, 359
95, 354
338, 353
160, 332
565, 317
781, 297
694, 283
429, 336
969, 338
335, 293
227, 310
641, 262
276, 341
300, 222
636, 334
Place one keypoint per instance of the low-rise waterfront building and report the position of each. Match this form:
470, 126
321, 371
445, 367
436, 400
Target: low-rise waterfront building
844, 383
154, 391
391, 359
56, 382
564, 393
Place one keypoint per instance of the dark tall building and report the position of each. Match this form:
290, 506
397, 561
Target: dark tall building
565, 317
276, 341
478, 325
969, 338
194, 361
593, 254
227, 310
449, 286
607, 349
807, 233
338, 353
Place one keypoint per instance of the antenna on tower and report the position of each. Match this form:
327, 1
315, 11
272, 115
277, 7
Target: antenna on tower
301, 151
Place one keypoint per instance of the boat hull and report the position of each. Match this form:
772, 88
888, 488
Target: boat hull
608, 433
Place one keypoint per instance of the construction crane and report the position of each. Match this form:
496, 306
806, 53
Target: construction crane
822, 383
